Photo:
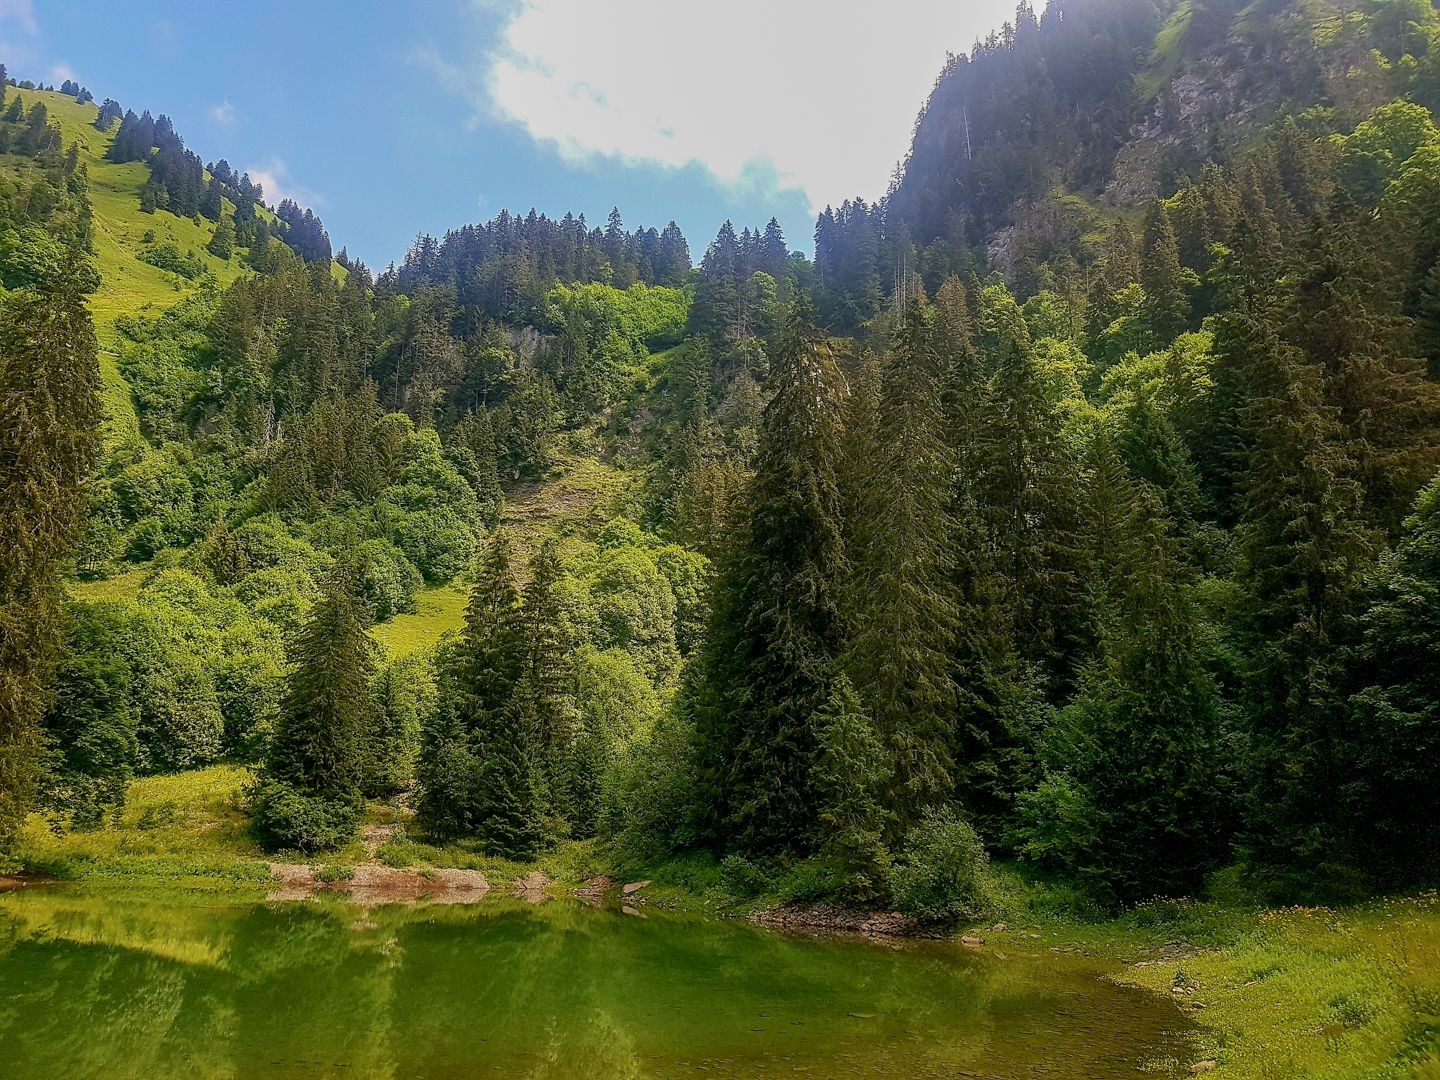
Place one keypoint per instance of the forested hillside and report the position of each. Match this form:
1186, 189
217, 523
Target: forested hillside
1075, 506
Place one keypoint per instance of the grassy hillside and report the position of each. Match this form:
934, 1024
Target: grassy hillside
128, 285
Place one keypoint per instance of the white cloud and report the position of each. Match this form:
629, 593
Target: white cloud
275, 178
816, 95
21, 14
223, 114
62, 72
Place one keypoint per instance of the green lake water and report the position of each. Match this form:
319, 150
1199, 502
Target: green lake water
114, 985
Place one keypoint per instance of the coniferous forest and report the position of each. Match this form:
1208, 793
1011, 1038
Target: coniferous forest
1069, 520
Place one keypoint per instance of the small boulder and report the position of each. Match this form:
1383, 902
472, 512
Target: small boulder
634, 887
1203, 1067
972, 942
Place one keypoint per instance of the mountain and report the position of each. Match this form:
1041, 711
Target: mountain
1076, 504
1060, 123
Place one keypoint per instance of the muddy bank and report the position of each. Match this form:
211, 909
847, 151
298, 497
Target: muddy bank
374, 885
832, 918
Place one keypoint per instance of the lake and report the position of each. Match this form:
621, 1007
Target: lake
114, 984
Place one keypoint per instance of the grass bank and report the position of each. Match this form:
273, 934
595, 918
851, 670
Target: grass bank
1344, 994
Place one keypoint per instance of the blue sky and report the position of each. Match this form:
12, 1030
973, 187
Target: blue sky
395, 118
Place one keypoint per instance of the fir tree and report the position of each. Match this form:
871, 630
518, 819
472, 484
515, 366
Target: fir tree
545, 685
1166, 302
318, 745
49, 423
1303, 545
222, 244
852, 773
1138, 746
776, 630
1392, 799
900, 603
485, 667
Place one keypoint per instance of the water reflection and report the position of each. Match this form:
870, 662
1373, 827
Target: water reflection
122, 986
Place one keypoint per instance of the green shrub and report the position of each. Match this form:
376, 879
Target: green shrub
742, 877
284, 817
940, 875
388, 580
169, 257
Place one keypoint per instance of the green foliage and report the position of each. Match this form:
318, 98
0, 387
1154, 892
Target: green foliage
852, 773
478, 774
776, 630
170, 258
308, 793
49, 416
939, 875
91, 723
388, 580
901, 603
287, 817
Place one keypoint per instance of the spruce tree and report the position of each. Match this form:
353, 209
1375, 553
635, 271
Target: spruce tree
1303, 545
776, 628
222, 244
546, 683
308, 794
852, 772
1393, 799
319, 740
49, 424
1138, 747
1166, 302
900, 601
488, 663
995, 709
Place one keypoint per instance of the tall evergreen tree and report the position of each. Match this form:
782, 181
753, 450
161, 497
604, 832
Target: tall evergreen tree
1393, 796
1303, 545
478, 680
49, 424
308, 795
546, 683
901, 605
318, 745
776, 630
1136, 760
1167, 304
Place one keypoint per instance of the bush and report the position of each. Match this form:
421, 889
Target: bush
388, 580
741, 877
282, 816
169, 257
940, 875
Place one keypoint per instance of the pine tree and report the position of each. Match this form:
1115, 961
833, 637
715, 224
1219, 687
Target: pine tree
1139, 744
1302, 545
308, 795
49, 424
776, 628
852, 773
995, 694
1166, 302
222, 244
900, 603
488, 663
1026, 491
1393, 797
546, 682
1347, 319
318, 741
